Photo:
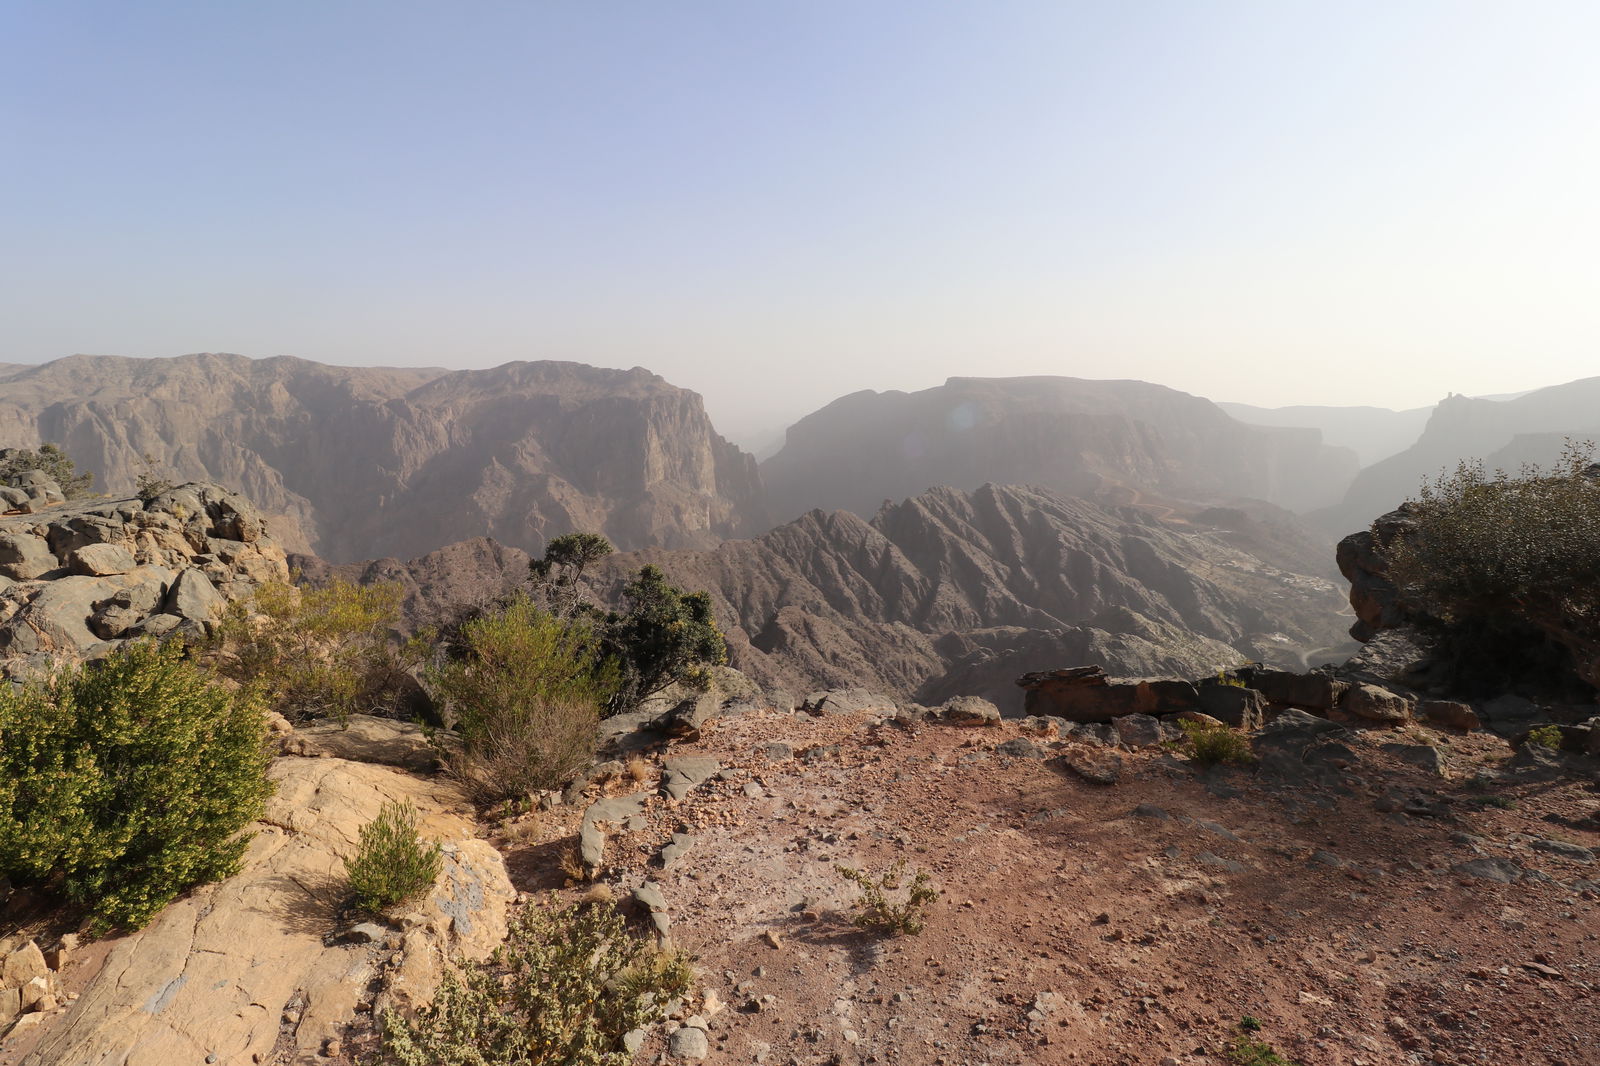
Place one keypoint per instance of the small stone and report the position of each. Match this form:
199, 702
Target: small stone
689, 1043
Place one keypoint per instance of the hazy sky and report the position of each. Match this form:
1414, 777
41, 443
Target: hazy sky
777, 203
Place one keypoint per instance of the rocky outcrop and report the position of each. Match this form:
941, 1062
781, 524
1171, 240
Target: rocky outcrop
1363, 559
78, 578
1066, 434
1086, 694
358, 463
259, 968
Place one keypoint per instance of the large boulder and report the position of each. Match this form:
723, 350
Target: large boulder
1241, 708
24, 557
1086, 694
1377, 704
253, 970
1309, 691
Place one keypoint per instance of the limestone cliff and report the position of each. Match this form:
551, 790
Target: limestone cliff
362, 462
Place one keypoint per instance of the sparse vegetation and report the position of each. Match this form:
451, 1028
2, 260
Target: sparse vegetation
324, 651
1546, 736
1504, 803
392, 863
152, 480
1491, 549
53, 461
877, 911
562, 991
524, 690
1245, 1050
128, 781
1216, 744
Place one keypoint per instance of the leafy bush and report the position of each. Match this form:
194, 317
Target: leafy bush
392, 864
53, 461
665, 635
318, 651
152, 480
562, 991
524, 689
127, 781
879, 912
1489, 548
1215, 744
1546, 736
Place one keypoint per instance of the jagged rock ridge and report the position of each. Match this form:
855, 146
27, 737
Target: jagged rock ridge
363, 462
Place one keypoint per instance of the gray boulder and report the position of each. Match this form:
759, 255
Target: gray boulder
1377, 704
195, 598
101, 560
1241, 708
1137, 730
24, 557
968, 711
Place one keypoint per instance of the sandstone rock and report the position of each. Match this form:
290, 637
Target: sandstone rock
1086, 694
689, 1043
847, 701
1426, 756
969, 711
1450, 714
1018, 748
1137, 731
24, 557
1377, 705
614, 811
364, 738
1096, 768
100, 560
1241, 708
193, 597
680, 774
23, 964
1489, 869
1309, 691
216, 971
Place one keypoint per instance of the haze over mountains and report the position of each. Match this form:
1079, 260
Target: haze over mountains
974, 530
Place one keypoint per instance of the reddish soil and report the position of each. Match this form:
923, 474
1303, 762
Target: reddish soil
1072, 930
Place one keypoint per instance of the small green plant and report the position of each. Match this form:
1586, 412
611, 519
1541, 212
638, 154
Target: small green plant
1546, 736
392, 863
1504, 803
1245, 1050
562, 991
878, 912
1214, 744
127, 781
1225, 678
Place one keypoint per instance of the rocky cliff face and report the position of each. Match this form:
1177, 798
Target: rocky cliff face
1066, 434
370, 462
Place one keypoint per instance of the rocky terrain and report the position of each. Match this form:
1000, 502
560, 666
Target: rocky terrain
78, 578
959, 592
1065, 434
357, 463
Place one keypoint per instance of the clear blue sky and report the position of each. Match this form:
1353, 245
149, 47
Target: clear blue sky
776, 203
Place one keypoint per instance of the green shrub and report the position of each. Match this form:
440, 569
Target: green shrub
53, 461
1487, 549
392, 863
664, 636
1546, 736
562, 991
524, 690
879, 912
1214, 744
324, 651
127, 781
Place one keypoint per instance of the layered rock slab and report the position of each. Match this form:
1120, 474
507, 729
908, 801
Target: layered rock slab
216, 972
